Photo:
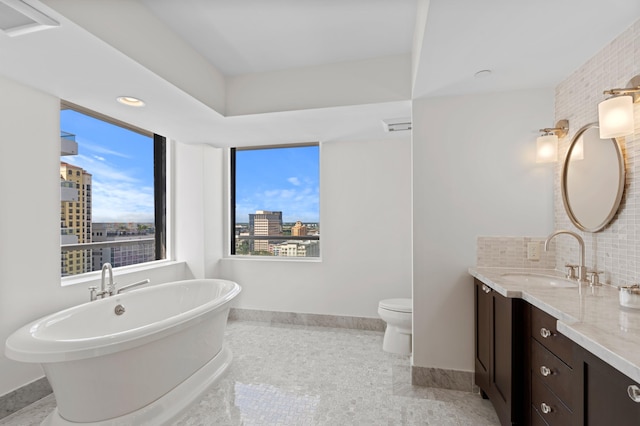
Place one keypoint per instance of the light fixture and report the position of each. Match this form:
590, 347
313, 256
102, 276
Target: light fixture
615, 114
547, 144
130, 101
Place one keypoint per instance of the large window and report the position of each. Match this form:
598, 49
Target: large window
275, 195
112, 193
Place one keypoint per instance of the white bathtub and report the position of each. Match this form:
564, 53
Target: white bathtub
142, 367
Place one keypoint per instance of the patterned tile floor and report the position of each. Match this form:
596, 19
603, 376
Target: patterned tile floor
298, 375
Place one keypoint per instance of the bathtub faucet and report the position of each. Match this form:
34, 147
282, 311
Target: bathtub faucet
130, 286
105, 289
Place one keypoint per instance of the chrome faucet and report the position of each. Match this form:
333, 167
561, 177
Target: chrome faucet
582, 269
105, 289
130, 286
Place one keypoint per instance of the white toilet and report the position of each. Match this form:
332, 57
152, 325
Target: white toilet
397, 314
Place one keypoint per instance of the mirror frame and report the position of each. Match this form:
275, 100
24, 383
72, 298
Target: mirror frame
563, 182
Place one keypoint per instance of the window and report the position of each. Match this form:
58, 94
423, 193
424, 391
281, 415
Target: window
117, 178
275, 193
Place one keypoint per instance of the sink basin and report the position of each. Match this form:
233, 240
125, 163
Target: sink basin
539, 279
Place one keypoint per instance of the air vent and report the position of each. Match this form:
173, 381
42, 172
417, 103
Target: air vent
18, 17
396, 124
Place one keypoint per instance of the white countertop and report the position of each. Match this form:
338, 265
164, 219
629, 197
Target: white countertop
594, 319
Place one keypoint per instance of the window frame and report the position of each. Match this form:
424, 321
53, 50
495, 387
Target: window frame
232, 202
160, 148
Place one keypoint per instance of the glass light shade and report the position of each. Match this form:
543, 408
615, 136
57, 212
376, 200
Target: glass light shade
616, 117
547, 149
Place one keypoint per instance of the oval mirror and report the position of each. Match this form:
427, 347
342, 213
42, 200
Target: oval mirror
592, 179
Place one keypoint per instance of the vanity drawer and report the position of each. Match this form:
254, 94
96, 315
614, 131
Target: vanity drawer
547, 405
550, 370
543, 329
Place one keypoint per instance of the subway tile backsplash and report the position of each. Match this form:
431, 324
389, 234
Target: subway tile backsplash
616, 249
511, 252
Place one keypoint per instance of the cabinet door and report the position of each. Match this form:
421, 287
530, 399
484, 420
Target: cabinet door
606, 399
483, 334
502, 349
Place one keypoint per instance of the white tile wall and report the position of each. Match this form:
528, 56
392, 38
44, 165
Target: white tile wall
511, 252
616, 249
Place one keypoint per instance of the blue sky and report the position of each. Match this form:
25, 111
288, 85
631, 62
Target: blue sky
279, 179
121, 164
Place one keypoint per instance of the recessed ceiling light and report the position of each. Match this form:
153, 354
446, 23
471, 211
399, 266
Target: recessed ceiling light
482, 74
130, 101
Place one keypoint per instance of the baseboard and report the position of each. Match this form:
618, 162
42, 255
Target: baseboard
312, 320
26, 395
441, 378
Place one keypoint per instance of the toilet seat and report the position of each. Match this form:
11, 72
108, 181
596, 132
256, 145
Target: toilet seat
396, 305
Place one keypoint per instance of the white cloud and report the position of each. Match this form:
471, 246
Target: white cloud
294, 181
300, 203
117, 196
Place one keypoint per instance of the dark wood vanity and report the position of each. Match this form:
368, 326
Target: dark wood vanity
534, 375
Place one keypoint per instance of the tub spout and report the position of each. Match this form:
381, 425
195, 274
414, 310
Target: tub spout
130, 286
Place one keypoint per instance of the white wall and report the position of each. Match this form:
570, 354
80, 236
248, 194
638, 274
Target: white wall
365, 228
30, 284
361, 82
199, 208
474, 173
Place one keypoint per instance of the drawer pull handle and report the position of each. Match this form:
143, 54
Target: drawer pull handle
545, 371
546, 409
486, 288
545, 332
634, 393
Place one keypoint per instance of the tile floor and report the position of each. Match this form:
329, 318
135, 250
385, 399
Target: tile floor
299, 375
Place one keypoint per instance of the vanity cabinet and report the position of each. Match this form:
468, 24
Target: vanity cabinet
609, 397
534, 375
500, 354
553, 381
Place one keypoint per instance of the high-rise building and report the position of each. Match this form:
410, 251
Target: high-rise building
75, 218
264, 223
298, 230
138, 244
297, 249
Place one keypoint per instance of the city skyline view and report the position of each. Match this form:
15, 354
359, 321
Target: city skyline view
279, 179
121, 164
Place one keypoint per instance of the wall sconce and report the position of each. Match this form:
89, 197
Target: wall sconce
615, 114
547, 144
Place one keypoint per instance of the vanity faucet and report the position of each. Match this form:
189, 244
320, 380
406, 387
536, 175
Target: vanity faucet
582, 269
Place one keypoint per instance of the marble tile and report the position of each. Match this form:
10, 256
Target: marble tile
20, 398
289, 374
32, 414
314, 320
441, 378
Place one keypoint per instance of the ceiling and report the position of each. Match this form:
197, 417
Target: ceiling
255, 36
155, 49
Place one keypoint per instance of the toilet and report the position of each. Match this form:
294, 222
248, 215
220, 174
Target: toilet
397, 314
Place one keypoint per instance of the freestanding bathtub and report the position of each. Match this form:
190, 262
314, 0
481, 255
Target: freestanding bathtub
142, 366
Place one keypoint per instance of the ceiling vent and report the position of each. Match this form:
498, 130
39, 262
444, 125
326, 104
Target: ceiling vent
18, 17
396, 124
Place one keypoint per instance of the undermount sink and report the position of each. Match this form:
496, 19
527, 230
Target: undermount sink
540, 279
